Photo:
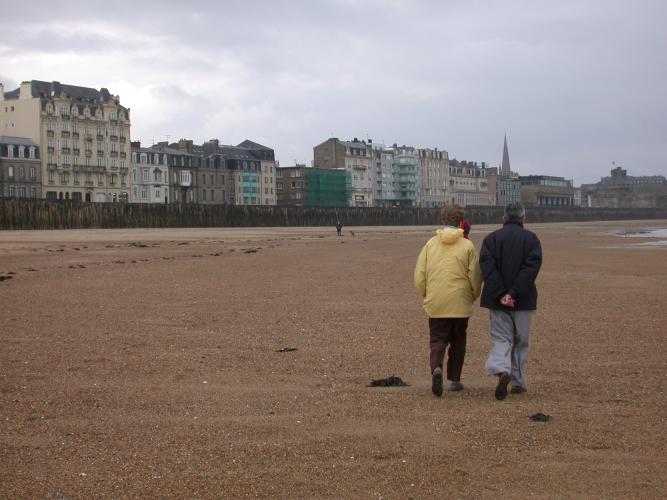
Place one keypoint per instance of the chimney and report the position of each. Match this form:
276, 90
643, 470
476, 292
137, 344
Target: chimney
2, 92
26, 90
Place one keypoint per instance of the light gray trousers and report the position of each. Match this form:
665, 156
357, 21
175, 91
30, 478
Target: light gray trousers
509, 333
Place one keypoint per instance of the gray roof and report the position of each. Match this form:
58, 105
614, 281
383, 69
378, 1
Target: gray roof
57, 89
16, 141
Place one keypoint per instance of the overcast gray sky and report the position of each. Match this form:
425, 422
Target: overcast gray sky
575, 84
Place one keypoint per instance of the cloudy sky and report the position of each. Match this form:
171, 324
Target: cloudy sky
575, 84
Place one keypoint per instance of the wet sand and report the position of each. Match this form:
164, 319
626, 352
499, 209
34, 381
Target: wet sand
143, 363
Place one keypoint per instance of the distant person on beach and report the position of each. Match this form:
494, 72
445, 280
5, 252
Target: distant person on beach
465, 225
510, 259
339, 228
448, 278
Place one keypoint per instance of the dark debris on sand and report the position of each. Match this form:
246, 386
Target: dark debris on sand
388, 382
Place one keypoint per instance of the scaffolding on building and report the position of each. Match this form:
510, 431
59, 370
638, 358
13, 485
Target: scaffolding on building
328, 188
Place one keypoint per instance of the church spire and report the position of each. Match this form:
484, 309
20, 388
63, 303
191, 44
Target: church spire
505, 166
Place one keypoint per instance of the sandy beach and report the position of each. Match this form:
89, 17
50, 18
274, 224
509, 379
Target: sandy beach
145, 364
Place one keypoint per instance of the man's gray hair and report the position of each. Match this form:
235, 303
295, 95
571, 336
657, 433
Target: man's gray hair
515, 211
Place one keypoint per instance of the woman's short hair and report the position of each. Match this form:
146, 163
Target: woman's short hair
452, 215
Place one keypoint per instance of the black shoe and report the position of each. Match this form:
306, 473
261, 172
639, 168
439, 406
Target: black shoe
501, 388
456, 386
436, 387
517, 389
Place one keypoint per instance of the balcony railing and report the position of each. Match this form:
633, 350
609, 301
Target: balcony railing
123, 138
75, 135
88, 137
100, 152
76, 151
88, 183
66, 151
64, 133
89, 152
113, 138
123, 154
100, 137
50, 149
50, 133
114, 154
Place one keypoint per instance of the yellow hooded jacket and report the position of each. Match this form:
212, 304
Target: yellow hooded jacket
447, 275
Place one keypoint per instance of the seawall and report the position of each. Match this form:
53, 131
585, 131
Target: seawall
42, 214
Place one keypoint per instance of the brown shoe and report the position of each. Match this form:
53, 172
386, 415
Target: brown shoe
501, 388
517, 389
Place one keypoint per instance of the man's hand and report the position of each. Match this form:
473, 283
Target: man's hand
507, 301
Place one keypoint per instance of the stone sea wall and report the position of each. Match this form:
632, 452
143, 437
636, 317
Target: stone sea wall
42, 214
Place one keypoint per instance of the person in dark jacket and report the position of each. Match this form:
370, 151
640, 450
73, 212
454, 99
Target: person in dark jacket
510, 260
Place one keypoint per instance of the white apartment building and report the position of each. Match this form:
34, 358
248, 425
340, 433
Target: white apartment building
83, 134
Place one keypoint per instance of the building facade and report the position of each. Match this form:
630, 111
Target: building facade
434, 167
83, 134
468, 184
504, 189
355, 157
620, 190
546, 191
313, 187
20, 168
149, 176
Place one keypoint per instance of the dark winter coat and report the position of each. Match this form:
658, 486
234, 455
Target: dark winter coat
510, 260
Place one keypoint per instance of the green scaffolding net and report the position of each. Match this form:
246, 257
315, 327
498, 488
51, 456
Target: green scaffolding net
328, 188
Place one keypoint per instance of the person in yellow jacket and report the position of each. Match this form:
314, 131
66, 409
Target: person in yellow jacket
449, 280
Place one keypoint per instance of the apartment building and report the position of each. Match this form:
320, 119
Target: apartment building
407, 172
354, 156
20, 168
468, 184
83, 134
434, 168
149, 176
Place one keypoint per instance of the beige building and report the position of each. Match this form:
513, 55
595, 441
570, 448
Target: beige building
83, 134
468, 184
434, 177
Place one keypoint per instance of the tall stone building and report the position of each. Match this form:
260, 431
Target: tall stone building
434, 176
354, 156
83, 134
20, 168
150, 175
468, 184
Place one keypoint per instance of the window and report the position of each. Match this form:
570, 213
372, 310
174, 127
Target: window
157, 193
22, 192
10, 171
21, 172
157, 175
33, 192
203, 195
145, 175
212, 195
11, 191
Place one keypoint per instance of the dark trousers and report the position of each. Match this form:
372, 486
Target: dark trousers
452, 332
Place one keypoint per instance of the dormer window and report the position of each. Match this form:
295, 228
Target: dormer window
86, 112
31, 152
21, 152
98, 114
49, 108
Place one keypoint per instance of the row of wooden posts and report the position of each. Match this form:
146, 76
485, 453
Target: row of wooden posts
42, 214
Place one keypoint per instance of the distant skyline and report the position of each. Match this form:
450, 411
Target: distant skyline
575, 85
